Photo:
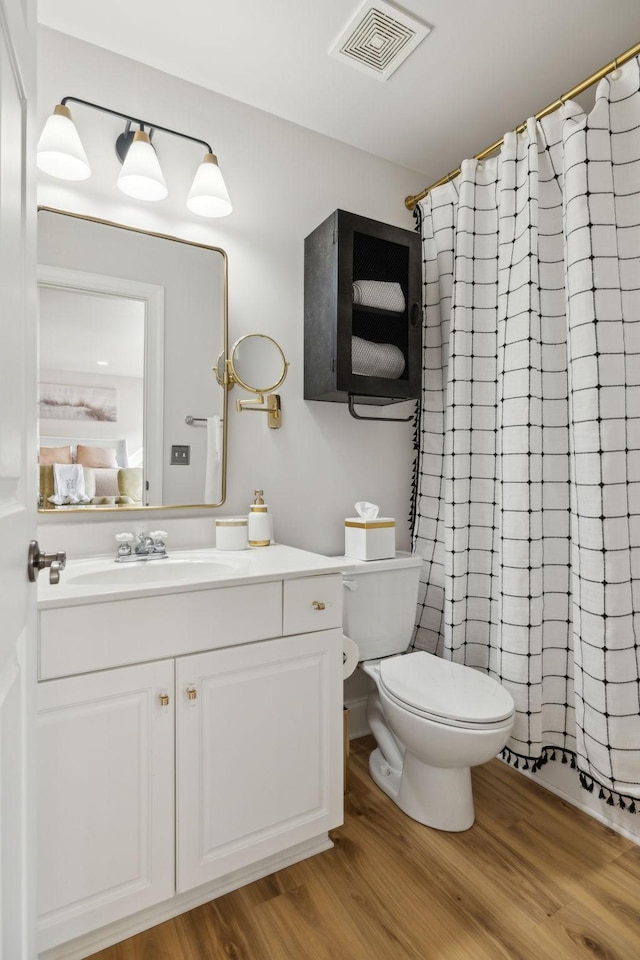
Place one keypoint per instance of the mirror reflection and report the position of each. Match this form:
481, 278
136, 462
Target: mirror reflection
131, 325
258, 363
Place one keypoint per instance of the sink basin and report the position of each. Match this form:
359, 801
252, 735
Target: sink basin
154, 571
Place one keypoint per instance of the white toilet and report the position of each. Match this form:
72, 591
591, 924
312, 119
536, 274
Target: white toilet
432, 719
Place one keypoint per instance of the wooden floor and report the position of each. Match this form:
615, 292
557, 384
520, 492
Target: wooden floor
533, 879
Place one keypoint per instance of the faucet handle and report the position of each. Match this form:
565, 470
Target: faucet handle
124, 537
159, 534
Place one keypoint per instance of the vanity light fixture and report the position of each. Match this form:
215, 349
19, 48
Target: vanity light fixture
141, 176
61, 154
60, 150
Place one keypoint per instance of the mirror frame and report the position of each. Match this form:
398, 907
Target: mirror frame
90, 510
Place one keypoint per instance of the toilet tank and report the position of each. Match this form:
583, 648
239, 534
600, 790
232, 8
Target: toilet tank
380, 603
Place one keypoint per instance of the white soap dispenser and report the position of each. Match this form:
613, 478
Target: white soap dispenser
260, 525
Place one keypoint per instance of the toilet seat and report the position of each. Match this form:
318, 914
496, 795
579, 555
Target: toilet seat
445, 692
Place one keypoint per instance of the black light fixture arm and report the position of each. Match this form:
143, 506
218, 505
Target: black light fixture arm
141, 123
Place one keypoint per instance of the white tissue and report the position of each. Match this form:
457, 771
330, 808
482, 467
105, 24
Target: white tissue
366, 510
350, 656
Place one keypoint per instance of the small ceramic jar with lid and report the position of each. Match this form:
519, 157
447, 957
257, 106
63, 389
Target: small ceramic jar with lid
231, 533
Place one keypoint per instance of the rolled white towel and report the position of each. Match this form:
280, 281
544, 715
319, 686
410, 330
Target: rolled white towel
376, 359
379, 294
68, 482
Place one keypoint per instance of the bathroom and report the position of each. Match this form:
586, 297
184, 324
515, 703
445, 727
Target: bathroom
284, 179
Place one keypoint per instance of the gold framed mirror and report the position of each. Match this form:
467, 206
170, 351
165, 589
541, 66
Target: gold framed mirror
130, 325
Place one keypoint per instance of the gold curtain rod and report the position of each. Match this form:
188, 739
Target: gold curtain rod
410, 202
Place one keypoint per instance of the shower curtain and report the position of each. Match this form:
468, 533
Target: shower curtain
527, 485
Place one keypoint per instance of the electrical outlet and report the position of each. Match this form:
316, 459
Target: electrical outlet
180, 455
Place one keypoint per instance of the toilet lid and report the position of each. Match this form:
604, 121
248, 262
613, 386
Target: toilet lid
445, 690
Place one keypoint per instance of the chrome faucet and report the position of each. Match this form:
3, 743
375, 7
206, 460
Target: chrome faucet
145, 545
150, 546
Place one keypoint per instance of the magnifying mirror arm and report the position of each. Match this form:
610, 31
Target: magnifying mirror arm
272, 408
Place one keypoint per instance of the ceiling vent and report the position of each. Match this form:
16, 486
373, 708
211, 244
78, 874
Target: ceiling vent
378, 38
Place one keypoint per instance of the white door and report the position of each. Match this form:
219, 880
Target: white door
17, 474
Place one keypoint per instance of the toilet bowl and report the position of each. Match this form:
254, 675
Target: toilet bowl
445, 719
432, 719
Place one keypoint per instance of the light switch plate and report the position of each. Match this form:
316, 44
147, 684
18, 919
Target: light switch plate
180, 455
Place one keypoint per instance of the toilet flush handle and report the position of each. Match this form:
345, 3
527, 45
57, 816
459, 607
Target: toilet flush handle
350, 584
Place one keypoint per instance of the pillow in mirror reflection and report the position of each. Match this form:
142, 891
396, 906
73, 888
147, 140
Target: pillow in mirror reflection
130, 485
51, 455
96, 456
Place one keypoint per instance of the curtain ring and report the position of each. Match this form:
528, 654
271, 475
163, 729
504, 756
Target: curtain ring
616, 73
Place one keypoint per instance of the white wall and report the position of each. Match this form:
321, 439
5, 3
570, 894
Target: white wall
283, 181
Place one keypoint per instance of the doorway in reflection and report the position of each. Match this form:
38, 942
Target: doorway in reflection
91, 389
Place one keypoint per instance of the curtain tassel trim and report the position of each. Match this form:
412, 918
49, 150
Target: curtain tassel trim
532, 764
415, 473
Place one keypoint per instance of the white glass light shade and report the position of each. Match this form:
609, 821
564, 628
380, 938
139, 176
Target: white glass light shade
141, 176
60, 152
208, 196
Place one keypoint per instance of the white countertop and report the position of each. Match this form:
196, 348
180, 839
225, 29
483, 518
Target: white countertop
253, 565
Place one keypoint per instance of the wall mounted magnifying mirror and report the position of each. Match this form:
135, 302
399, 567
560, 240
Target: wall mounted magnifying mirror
256, 363
130, 324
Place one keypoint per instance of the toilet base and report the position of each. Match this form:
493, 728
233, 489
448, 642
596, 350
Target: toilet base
436, 796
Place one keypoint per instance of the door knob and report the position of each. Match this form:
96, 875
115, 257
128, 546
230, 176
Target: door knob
37, 561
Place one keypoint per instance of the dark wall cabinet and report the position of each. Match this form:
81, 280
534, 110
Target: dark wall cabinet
362, 312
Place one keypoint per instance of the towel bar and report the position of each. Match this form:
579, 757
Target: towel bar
194, 421
358, 416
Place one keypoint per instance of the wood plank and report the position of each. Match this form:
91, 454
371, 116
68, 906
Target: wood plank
534, 878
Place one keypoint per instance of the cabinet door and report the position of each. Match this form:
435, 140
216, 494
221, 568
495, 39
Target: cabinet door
105, 797
259, 751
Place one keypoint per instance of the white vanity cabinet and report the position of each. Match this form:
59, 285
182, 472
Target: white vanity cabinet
165, 783
105, 797
256, 737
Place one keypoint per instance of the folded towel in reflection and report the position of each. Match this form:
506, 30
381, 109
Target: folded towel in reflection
213, 465
68, 484
376, 359
378, 294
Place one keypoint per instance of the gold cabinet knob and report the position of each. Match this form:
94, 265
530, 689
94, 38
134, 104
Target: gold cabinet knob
318, 605
192, 693
164, 699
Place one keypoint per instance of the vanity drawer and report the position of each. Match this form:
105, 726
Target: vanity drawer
97, 636
312, 603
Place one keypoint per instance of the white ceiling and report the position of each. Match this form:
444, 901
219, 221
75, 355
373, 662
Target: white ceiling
484, 67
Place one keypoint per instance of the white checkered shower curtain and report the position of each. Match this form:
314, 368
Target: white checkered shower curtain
528, 473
